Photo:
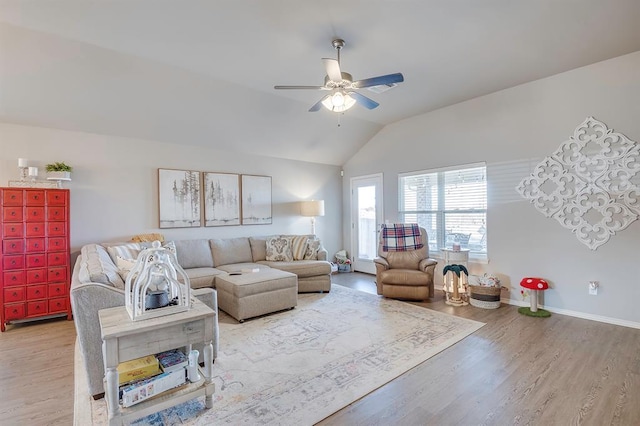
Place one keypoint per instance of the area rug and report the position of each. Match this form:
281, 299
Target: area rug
300, 366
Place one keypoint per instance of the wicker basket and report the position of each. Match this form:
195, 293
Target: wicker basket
484, 297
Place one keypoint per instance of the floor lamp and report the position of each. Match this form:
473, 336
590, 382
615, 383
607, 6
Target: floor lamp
312, 209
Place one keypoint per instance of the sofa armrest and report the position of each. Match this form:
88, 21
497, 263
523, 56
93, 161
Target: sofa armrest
323, 254
86, 300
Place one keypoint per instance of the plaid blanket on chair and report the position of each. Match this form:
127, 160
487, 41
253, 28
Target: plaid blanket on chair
401, 237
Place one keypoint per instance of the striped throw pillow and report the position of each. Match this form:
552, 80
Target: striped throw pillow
299, 246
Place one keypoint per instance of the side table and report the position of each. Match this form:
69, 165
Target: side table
124, 339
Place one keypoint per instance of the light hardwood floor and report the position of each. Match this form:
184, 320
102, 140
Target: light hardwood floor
515, 370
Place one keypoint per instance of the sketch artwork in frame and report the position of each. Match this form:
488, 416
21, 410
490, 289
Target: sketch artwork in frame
179, 198
221, 199
256, 200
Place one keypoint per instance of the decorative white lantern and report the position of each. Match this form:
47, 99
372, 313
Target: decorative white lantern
152, 288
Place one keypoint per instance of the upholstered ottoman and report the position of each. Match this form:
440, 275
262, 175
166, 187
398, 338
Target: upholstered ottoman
257, 293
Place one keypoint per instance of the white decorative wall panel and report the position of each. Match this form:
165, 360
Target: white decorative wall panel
590, 184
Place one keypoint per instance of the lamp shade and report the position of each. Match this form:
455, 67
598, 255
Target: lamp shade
312, 208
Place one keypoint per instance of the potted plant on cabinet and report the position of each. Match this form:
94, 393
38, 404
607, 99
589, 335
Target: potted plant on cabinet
58, 171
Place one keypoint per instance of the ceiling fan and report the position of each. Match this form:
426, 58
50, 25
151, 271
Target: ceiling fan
342, 87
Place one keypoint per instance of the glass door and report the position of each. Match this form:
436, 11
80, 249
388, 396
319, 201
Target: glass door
366, 213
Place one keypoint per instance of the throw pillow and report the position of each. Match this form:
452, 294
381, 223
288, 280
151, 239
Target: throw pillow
313, 247
125, 251
279, 249
299, 246
124, 266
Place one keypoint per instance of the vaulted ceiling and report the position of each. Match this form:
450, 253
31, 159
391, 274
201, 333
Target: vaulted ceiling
202, 71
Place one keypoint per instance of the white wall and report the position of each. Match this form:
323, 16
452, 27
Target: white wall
114, 192
512, 130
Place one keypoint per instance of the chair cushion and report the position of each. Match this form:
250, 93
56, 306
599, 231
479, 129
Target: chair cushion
404, 259
202, 277
302, 268
405, 277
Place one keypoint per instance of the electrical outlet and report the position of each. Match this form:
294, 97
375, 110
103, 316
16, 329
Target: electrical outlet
593, 287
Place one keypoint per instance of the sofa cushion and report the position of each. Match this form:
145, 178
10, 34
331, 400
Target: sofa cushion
230, 250
239, 267
202, 277
302, 268
311, 252
299, 246
194, 253
279, 248
124, 250
258, 248
98, 267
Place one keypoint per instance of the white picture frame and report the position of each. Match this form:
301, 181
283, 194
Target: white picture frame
256, 200
179, 193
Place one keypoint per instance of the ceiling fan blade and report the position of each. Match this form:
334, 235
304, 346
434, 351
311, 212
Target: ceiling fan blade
300, 87
364, 101
318, 105
379, 81
333, 69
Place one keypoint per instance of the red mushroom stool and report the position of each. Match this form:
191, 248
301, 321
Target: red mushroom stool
535, 285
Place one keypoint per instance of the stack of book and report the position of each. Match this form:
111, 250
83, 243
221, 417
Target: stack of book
145, 377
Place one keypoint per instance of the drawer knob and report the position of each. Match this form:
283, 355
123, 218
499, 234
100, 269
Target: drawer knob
13, 213
14, 278
37, 275
13, 245
37, 291
15, 294
15, 311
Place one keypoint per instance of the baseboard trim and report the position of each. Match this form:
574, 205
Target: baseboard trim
592, 317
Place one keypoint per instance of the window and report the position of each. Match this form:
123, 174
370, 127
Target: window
451, 204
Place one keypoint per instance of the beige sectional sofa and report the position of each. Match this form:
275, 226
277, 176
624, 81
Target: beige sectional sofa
97, 283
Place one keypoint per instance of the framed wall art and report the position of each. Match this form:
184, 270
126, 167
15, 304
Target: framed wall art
179, 198
221, 199
256, 200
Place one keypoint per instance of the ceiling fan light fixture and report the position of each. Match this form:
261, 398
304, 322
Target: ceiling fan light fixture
339, 102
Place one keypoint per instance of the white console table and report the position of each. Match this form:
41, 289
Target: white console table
124, 339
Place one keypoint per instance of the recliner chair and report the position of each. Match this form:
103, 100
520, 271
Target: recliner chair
405, 274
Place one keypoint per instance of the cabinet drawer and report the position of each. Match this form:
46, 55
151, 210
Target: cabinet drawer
12, 230
56, 213
56, 244
12, 278
36, 292
35, 245
36, 261
12, 197
35, 229
57, 290
57, 259
13, 294
56, 198
59, 304
56, 229
34, 214
12, 213
13, 311
36, 276
12, 246
13, 262
36, 308
35, 198
57, 275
